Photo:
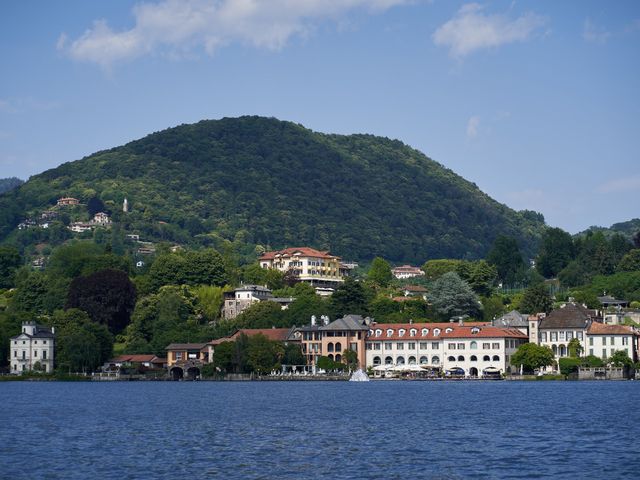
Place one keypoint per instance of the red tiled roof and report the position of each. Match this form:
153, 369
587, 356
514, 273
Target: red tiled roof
303, 251
419, 326
484, 332
277, 334
134, 358
602, 329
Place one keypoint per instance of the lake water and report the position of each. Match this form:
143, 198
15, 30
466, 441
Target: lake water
296, 430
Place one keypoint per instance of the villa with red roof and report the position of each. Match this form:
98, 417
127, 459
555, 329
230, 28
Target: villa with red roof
319, 268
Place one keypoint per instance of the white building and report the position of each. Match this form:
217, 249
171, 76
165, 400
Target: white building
604, 340
101, 218
473, 347
406, 271
320, 269
238, 300
32, 348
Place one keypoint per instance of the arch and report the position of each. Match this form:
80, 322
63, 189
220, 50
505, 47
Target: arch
448, 330
412, 360
413, 332
474, 358
486, 358
176, 373
193, 373
451, 358
330, 356
338, 357
376, 360
435, 360
388, 361
461, 358
562, 350
400, 360
330, 347
496, 358
473, 345
401, 332
436, 332
475, 330
424, 360
338, 347
424, 332
389, 332
473, 372
378, 332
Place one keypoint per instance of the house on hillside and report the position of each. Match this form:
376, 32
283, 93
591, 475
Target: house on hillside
238, 300
406, 271
33, 349
67, 201
318, 268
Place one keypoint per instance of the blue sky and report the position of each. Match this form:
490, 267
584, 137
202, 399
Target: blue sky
537, 102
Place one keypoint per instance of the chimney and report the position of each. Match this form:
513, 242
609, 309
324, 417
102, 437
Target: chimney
461, 322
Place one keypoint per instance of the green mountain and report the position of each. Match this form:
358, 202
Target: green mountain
260, 181
628, 229
7, 184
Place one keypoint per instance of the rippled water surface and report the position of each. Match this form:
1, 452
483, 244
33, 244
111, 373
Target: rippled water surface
296, 430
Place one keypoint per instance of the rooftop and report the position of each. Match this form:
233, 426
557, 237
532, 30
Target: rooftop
569, 316
297, 251
597, 328
348, 322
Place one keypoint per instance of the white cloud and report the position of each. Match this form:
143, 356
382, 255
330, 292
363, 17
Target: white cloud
618, 185
593, 33
178, 27
470, 30
472, 126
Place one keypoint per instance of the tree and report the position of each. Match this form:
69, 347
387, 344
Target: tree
351, 297
620, 358
204, 267
556, 251
492, 307
630, 262
224, 356
532, 357
107, 296
293, 355
451, 296
434, 269
263, 355
9, 262
536, 299
575, 348
479, 275
505, 255
350, 357
380, 272
569, 365
95, 205
262, 315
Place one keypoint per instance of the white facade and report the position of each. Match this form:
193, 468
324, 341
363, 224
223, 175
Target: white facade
472, 347
241, 298
604, 346
35, 346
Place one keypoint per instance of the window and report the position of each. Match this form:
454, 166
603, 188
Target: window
604, 341
475, 330
413, 332
435, 345
625, 340
451, 346
369, 346
401, 332
461, 346
376, 346
388, 345
579, 335
543, 337
604, 353
424, 332
436, 332
460, 358
474, 358
496, 358
486, 358
613, 341
495, 346
448, 330
486, 346
591, 351
24, 355
389, 332
435, 360
388, 361
44, 354
424, 345
562, 336
424, 360
412, 345
376, 360
569, 335
473, 345
412, 360
591, 342
15, 353
178, 355
400, 346
451, 359
400, 361
35, 354
554, 336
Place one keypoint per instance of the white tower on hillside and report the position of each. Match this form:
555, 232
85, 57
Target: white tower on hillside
125, 205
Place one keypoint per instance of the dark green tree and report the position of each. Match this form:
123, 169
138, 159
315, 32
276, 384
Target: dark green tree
556, 251
532, 357
630, 262
352, 297
505, 255
108, 296
451, 296
536, 299
9, 262
380, 272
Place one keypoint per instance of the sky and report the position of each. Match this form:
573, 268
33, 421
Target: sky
536, 102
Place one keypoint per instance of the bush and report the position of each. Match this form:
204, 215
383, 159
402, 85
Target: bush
569, 365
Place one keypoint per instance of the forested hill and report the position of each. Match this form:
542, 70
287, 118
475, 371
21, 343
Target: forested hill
628, 229
261, 181
7, 184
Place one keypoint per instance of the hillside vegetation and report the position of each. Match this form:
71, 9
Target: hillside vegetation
265, 183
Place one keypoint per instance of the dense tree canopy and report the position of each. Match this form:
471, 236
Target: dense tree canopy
556, 251
505, 255
532, 357
536, 299
451, 296
380, 272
